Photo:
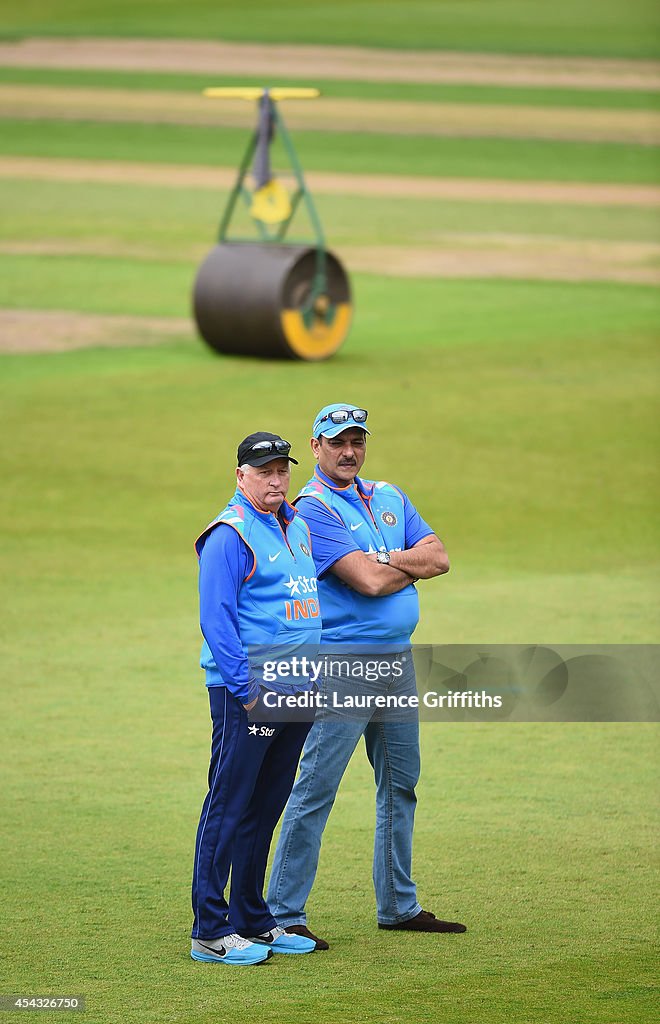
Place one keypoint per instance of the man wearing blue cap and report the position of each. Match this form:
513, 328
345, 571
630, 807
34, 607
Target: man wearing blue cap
370, 547
251, 558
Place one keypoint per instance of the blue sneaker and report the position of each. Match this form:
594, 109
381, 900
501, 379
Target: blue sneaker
281, 941
229, 949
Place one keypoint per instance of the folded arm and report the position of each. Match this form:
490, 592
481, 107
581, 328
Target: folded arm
424, 560
361, 572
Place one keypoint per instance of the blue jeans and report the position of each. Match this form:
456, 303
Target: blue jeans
392, 744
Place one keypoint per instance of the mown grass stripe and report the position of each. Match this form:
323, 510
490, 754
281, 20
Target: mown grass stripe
593, 27
366, 187
141, 288
335, 115
523, 95
179, 222
515, 159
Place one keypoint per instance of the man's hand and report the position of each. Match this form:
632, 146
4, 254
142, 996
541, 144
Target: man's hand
248, 707
425, 560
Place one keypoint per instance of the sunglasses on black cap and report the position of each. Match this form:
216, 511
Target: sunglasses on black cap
344, 415
264, 447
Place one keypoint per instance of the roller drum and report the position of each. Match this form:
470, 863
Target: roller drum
249, 299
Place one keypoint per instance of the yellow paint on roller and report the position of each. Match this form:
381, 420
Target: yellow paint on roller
270, 203
321, 340
254, 92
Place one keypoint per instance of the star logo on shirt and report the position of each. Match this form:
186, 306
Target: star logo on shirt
293, 585
253, 730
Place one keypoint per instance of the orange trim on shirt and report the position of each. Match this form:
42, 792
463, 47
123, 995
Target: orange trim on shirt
222, 522
321, 501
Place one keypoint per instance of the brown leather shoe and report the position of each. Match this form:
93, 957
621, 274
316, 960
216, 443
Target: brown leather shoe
301, 929
425, 921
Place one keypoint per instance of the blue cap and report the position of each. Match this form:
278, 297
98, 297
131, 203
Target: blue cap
329, 429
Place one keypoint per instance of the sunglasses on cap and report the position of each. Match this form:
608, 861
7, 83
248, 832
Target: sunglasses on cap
344, 415
263, 447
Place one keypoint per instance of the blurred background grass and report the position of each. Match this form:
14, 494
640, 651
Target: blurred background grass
586, 27
521, 416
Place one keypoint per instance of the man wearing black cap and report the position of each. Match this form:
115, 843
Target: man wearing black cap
252, 558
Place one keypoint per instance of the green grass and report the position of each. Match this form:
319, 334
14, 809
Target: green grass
129, 219
608, 99
606, 27
434, 312
553, 387
521, 417
518, 159
560, 926
98, 285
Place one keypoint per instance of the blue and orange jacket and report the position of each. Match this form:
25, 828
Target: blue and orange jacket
277, 605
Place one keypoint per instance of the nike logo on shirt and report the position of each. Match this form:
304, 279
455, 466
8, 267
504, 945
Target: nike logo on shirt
356, 526
271, 558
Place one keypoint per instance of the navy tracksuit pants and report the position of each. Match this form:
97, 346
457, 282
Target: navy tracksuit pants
253, 766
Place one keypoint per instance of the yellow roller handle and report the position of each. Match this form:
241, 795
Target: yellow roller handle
253, 92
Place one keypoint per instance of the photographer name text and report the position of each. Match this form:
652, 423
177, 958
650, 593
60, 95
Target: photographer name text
377, 701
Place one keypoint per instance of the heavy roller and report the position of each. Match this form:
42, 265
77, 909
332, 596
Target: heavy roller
267, 296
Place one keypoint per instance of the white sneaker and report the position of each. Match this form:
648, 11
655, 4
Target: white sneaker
229, 949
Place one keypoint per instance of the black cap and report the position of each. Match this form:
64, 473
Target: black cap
247, 457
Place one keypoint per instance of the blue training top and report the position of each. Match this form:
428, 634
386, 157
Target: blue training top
368, 515
258, 594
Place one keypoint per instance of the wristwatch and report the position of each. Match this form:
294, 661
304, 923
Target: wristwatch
383, 557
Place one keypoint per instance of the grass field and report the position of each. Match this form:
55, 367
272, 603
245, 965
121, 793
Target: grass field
637, 99
519, 412
607, 27
517, 159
